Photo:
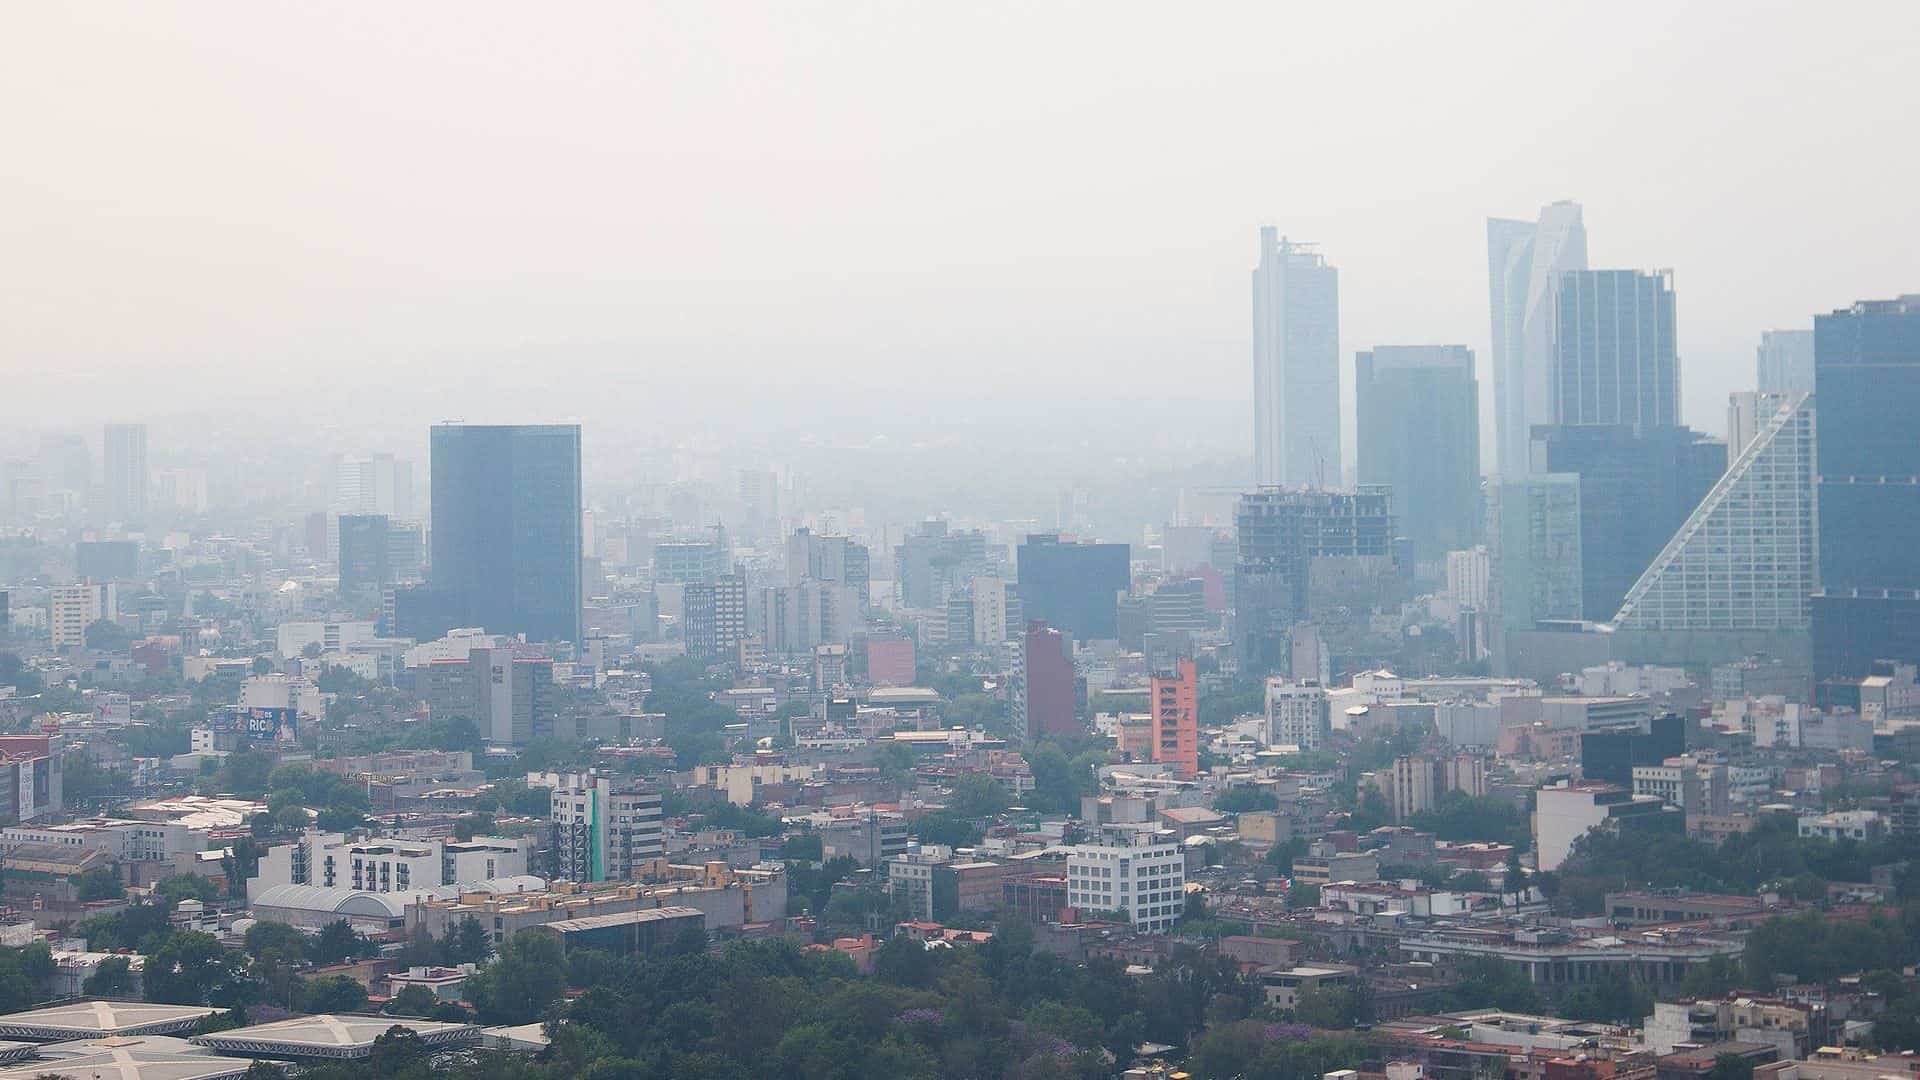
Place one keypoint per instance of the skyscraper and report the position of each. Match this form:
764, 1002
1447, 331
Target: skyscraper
1073, 586
1043, 696
1174, 699
1785, 362
1636, 488
1614, 358
365, 551
1296, 365
1525, 260
506, 526
1743, 560
1280, 533
1419, 434
126, 471
1866, 371
1533, 549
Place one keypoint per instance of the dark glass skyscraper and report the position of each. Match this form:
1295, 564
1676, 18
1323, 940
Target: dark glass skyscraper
506, 526
1636, 489
1073, 586
1866, 372
365, 549
1280, 534
1419, 434
1614, 357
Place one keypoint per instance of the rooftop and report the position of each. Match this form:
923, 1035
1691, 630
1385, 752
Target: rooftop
144, 1057
338, 1037
89, 1019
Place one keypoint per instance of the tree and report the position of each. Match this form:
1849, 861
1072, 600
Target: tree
112, 978
412, 1001
292, 819
946, 827
977, 795
275, 940
517, 988
192, 968
262, 665
1730, 1066
468, 943
341, 819
336, 942
105, 635
1245, 797
396, 1052
99, 883
177, 887
333, 994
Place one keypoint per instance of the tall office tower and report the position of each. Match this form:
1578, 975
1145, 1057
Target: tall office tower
1074, 586
1419, 434
837, 560
1043, 696
126, 471
1614, 357
935, 560
989, 611
1174, 697
716, 618
365, 548
1785, 362
1296, 365
506, 525
1637, 487
1743, 560
1280, 535
1533, 549
73, 608
406, 549
375, 484
1866, 372
792, 619
1525, 260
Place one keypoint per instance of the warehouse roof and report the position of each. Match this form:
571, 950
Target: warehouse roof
338, 901
93, 1019
135, 1057
331, 1036
622, 918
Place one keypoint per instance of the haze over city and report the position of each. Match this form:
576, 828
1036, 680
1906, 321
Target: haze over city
839, 540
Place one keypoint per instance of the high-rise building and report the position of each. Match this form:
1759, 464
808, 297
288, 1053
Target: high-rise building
598, 832
792, 619
1785, 362
716, 618
507, 693
1073, 586
1296, 365
890, 659
1637, 486
1418, 410
1413, 784
1468, 573
836, 560
1042, 693
73, 608
1533, 549
375, 484
506, 526
989, 611
1174, 698
1744, 559
1615, 361
1297, 714
934, 561
365, 551
1867, 387
126, 471
1280, 534
106, 560
1525, 260
1136, 871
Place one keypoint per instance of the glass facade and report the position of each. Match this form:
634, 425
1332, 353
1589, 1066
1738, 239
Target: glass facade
506, 526
1867, 383
1614, 359
1418, 409
1074, 586
1533, 549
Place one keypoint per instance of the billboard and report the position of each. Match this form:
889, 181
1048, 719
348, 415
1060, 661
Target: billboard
272, 725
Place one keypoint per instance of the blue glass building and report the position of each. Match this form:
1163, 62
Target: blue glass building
506, 526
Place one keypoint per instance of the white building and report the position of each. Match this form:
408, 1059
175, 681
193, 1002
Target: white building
381, 865
1566, 812
1467, 574
1137, 871
294, 637
1296, 714
276, 691
1844, 825
457, 645
989, 610
73, 608
600, 833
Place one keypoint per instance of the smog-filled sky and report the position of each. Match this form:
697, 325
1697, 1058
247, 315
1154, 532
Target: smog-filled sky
694, 216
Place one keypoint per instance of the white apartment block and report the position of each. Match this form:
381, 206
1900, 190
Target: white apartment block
1467, 574
292, 638
1296, 714
1143, 874
73, 608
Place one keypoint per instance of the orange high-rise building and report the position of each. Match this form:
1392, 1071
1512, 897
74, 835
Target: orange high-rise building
1175, 700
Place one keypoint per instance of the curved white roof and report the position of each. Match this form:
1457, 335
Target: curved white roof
336, 901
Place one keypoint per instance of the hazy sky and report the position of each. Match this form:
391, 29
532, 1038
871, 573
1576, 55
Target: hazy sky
208, 201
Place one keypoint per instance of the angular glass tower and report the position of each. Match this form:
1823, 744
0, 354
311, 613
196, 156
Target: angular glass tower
1525, 261
506, 526
1744, 559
